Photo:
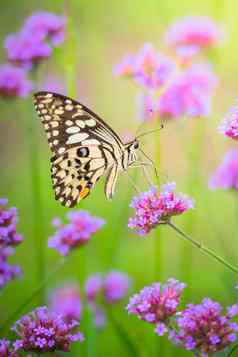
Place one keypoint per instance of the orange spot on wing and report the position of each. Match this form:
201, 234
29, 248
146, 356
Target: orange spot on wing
84, 192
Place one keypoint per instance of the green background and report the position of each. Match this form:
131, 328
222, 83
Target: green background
188, 151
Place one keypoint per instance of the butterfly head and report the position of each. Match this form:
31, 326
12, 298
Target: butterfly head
132, 148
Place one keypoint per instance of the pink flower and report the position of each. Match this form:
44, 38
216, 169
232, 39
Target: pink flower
102, 290
153, 207
157, 303
229, 127
204, 328
193, 30
13, 82
66, 301
226, 175
148, 68
76, 233
188, 94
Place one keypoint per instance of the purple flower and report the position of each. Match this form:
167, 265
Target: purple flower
157, 303
101, 291
26, 49
7, 272
153, 208
226, 175
147, 67
229, 127
193, 30
66, 301
44, 331
46, 25
8, 222
76, 233
116, 286
6, 349
13, 82
32, 43
204, 328
188, 94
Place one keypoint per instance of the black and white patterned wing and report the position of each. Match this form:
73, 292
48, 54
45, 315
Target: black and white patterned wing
83, 145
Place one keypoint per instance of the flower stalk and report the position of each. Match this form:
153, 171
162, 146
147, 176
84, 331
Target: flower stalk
203, 248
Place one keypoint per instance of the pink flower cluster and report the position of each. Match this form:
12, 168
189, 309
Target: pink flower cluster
27, 48
66, 301
153, 208
204, 328
76, 233
43, 331
226, 175
175, 86
157, 303
197, 31
229, 126
9, 239
101, 291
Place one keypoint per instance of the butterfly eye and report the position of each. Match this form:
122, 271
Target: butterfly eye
136, 145
83, 152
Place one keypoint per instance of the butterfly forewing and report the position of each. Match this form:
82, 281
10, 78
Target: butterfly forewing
83, 145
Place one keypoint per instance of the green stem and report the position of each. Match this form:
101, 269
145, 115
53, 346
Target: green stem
37, 202
125, 338
232, 350
34, 294
203, 248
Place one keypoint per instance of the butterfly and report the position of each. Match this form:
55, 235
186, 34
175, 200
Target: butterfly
84, 148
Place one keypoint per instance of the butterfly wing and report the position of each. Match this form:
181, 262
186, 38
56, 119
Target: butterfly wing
83, 145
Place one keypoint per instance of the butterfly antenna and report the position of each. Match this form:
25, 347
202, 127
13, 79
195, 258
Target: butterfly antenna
150, 131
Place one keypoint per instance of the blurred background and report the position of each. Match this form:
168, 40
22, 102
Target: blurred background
187, 152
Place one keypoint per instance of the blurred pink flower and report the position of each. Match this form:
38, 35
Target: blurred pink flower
148, 68
66, 301
229, 126
188, 94
200, 31
53, 83
226, 175
14, 82
102, 290
76, 233
153, 208
147, 110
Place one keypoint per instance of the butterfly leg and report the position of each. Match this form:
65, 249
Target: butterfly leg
152, 163
136, 188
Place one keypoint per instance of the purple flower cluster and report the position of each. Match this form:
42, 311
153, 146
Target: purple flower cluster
226, 175
105, 290
13, 81
204, 328
44, 331
66, 301
153, 208
157, 303
27, 48
188, 94
76, 233
8, 222
193, 31
229, 127
32, 43
6, 349
9, 238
